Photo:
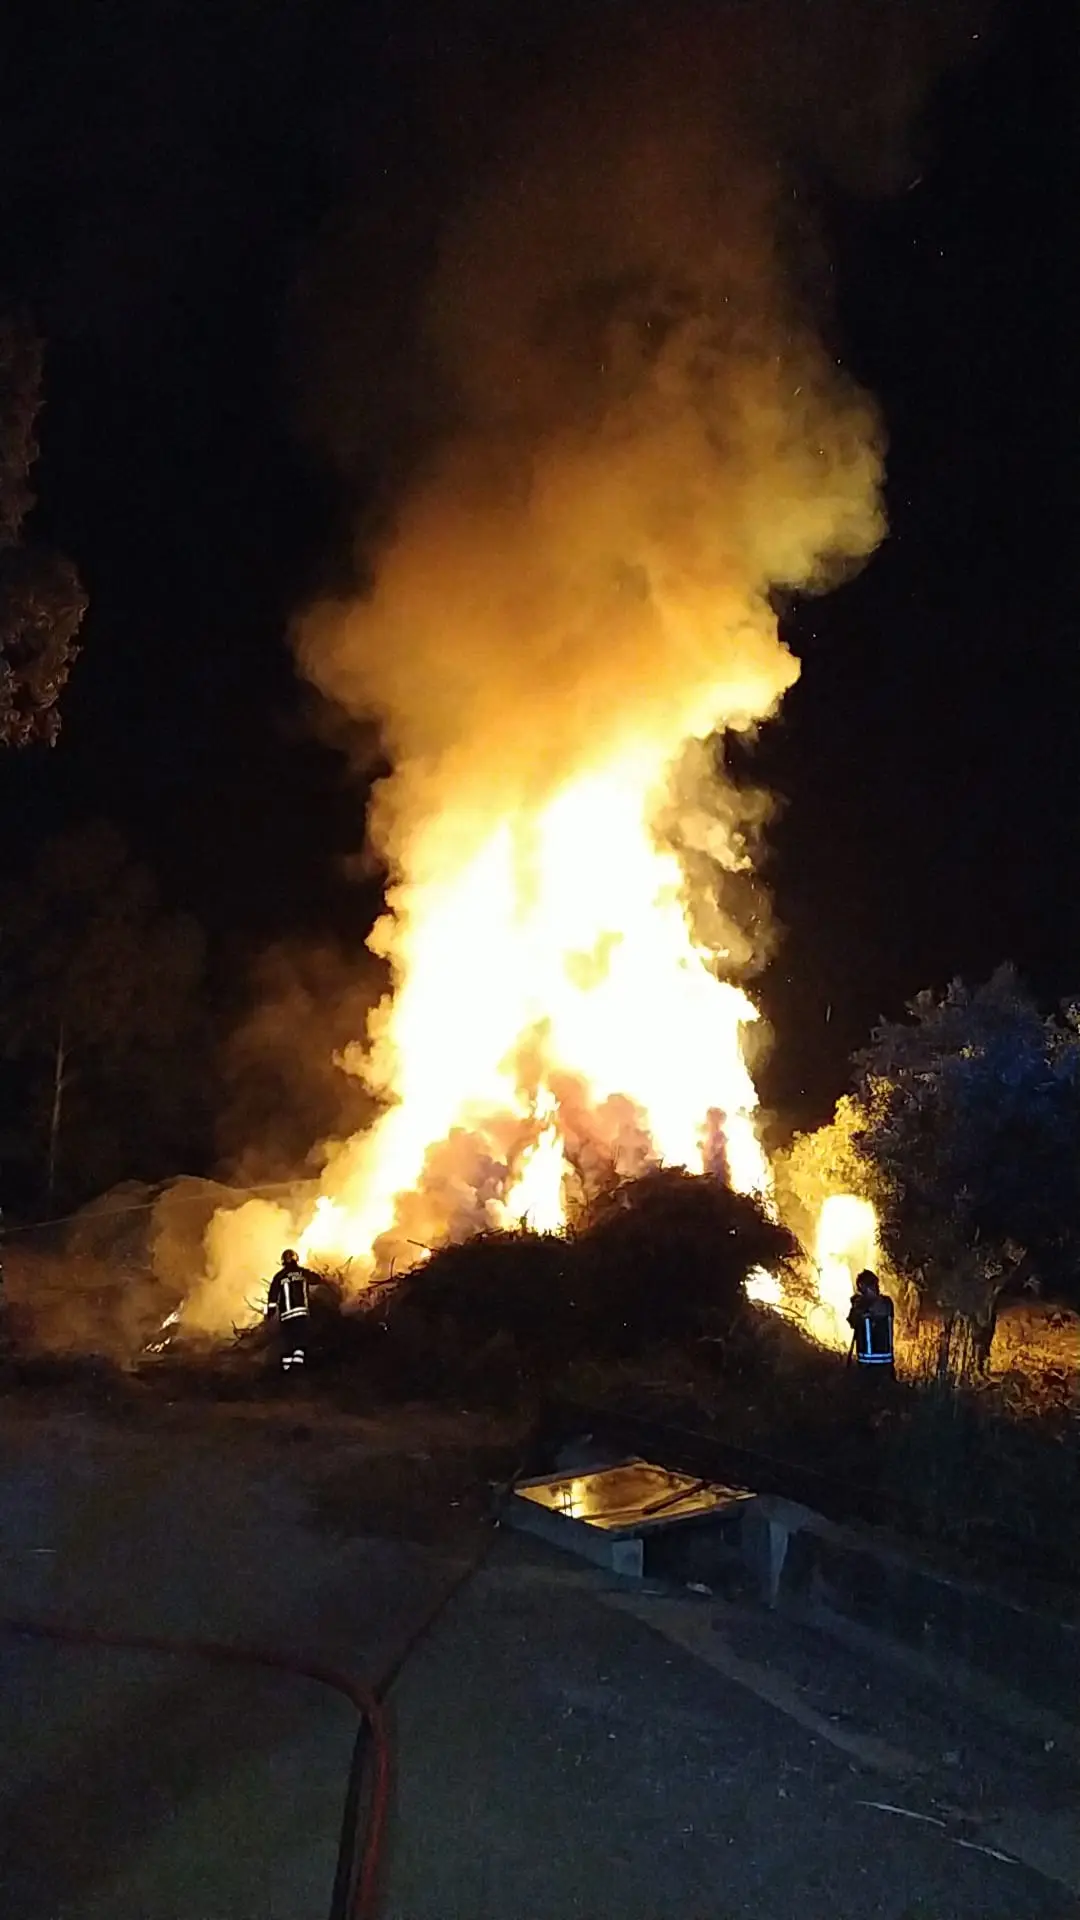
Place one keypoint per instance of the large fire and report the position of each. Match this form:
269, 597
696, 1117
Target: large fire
552, 1014
519, 1061
553, 1024
572, 608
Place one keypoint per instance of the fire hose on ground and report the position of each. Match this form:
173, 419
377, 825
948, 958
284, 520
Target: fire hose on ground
358, 1878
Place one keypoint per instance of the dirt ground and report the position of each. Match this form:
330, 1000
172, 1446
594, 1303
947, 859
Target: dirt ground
564, 1746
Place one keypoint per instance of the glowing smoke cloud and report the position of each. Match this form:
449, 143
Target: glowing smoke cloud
650, 440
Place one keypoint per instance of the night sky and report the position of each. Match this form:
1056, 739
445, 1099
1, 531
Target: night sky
171, 177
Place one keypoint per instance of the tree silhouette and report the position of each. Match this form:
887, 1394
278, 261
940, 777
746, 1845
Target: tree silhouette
41, 600
100, 1019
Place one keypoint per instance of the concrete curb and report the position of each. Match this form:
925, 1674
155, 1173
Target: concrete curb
805, 1563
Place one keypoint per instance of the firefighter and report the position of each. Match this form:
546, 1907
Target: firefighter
288, 1306
870, 1318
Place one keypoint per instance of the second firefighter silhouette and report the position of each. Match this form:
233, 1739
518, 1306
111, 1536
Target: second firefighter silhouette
288, 1308
870, 1318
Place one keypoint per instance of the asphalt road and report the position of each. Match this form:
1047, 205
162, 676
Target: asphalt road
565, 1747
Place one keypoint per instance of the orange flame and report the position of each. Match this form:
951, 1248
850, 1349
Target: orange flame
845, 1242
557, 954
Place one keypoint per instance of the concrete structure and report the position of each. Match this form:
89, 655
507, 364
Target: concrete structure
810, 1565
613, 1514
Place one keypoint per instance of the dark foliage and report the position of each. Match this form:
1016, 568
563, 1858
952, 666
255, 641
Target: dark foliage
969, 1122
660, 1259
102, 1027
664, 1257
478, 1314
41, 600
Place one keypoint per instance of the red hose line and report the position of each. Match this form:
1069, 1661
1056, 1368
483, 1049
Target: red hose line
367, 1698
363, 1698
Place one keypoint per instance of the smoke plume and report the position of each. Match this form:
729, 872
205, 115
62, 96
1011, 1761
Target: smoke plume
642, 438
287, 1071
648, 437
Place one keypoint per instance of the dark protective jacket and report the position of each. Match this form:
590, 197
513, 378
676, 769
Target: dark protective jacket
871, 1320
290, 1293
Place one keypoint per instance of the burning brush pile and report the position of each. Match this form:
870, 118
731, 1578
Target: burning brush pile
659, 1261
655, 1263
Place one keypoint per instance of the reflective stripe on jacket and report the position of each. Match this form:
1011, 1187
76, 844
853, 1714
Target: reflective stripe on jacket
874, 1337
294, 1296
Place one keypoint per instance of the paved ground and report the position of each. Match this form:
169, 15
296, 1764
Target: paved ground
566, 1748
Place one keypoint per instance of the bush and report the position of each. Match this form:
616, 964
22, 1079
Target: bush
661, 1259
665, 1257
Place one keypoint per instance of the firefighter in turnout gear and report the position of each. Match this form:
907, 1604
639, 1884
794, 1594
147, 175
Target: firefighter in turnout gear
870, 1318
288, 1307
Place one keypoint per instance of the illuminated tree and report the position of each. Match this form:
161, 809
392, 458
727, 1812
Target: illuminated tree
41, 600
969, 1120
